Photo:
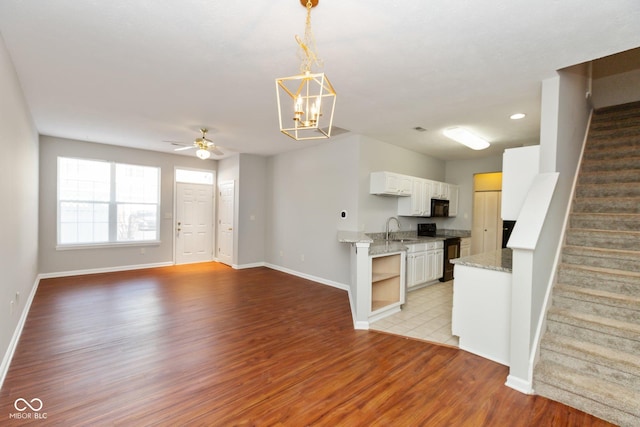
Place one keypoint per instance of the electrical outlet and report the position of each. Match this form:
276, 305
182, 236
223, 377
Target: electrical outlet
281, 253
12, 306
302, 257
17, 297
143, 251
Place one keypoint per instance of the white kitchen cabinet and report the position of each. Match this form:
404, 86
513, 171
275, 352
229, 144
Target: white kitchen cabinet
453, 191
425, 262
390, 184
439, 190
419, 203
465, 247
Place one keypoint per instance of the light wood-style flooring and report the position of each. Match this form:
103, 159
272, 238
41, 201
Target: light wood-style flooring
208, 345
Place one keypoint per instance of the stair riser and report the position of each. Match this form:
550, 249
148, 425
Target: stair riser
610, 177
600, 281
605, 222
602, 308
598, 370
608, 190
628, 163
602, 205
632, 149
603, 262
585, 404
606, 240
593, 336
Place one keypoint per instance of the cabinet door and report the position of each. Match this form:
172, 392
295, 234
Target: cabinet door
411, 274
439, 260
453, 199
431, 265
420, 268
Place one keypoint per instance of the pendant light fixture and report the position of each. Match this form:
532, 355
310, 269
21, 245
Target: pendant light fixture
306, 101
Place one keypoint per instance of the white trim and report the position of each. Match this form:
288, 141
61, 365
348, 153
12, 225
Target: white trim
309, 277
104, 270
519, 385
252, 265
13, 344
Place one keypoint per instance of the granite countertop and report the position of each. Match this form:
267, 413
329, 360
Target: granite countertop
400, 239
499, 260
353, 237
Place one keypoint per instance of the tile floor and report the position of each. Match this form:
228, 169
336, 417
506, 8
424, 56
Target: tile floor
426, 315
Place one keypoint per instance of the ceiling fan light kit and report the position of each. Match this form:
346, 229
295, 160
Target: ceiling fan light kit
204, 145
304, 99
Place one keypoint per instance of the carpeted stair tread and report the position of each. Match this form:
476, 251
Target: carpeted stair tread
587, 393
605, 297
613, 327
605, 220
628, 260
598, 302
606, 239
594, 353
629, 149
613, 189
603, 164
631, 176
610, 205
618, 281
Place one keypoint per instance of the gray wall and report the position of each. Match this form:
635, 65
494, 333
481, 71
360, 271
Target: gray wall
54, 261
307, 189
616, 89
19, 215
252, 210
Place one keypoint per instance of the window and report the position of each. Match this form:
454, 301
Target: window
103, 202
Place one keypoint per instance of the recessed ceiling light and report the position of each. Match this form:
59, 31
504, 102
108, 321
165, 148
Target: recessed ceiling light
465, 137
517, 116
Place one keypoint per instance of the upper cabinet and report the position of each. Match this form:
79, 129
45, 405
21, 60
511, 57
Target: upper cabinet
453, 192
419, 204
390, 184
419, 192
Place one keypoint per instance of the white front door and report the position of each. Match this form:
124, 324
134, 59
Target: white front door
194, 223
226, 207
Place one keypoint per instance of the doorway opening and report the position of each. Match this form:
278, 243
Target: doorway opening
486, 228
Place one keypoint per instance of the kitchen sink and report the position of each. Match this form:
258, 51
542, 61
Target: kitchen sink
405, 239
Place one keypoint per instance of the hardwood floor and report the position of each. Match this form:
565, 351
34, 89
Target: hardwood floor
208, 345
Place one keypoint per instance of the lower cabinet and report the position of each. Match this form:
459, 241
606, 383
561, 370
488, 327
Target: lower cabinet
425, 263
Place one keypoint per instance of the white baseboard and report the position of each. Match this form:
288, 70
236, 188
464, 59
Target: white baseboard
252, 265
13, 344
519, 384
104, 270
309, 277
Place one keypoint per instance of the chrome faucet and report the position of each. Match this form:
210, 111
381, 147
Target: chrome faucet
388, 221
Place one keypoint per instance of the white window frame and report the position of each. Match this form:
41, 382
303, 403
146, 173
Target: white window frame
113, 204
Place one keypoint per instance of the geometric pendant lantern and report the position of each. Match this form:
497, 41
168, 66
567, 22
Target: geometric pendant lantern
306, 101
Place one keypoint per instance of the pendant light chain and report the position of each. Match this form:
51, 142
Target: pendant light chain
308, 45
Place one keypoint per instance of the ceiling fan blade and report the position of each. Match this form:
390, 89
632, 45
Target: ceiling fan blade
183, 148
216, 151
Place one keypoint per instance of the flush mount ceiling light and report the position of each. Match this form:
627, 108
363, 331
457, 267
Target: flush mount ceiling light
304, 99
467, 138
517, 116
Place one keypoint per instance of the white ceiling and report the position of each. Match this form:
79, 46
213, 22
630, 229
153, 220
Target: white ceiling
140, 72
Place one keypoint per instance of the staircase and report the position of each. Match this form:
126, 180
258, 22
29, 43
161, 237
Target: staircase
590, 352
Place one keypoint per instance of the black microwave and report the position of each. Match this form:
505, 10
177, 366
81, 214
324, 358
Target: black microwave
439, 208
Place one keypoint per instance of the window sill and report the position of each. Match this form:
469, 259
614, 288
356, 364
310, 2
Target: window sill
83, 246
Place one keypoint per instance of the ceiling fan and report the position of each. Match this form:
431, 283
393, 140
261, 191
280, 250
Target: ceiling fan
204, 145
